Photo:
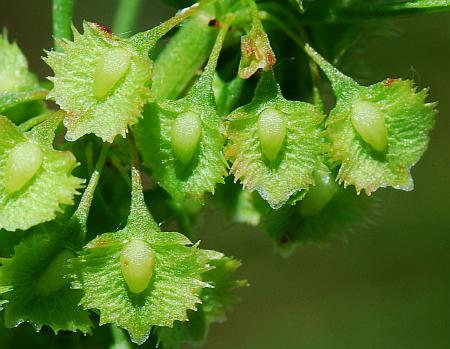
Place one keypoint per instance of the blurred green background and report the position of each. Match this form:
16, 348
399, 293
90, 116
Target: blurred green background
384, 287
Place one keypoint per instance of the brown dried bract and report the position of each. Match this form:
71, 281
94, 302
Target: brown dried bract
103, 28
256, 54
390, 81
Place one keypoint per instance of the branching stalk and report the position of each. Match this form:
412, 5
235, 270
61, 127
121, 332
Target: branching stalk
62, 12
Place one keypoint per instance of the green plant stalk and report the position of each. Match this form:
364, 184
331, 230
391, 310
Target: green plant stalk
146, 41
119, 337
299, 37
89, 154
134, 157
315, 77
190, 45
115, 161
82, 212
374, 11
30, 123
62, 13
10, 100
126, 15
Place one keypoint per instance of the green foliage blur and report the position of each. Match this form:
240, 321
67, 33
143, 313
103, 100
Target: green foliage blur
386, 286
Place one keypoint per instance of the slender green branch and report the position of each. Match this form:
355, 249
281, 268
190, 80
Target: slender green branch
119, 337
217, 48
30, 123
115, 161
133, 151
190, 45
89, 153
140, 217
330, 71
82, 212
279, 23
146, 41
205, 82
315, 78
300, 38
62, 12
9, 100
372, 10
126, 15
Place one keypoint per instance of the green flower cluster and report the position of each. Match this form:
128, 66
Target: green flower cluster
193, 131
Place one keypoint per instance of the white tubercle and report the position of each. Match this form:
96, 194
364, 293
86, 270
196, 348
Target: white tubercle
137, 263
368, 120
111, 67
271, 132
23, 162
185, 136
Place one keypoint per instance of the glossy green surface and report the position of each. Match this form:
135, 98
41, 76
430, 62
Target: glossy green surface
368, 121
318, 195
271, 132
111, 68
137, 263
23, 162
185, 136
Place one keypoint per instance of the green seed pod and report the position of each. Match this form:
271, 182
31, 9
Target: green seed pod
391, 116
14, 73
318, 195
23, 162
137, 263
53, 278
38, 277
98, 64
38, 176
111, 67
176, 125
142, 273
369, 122
259, 130
185, 136
271, 132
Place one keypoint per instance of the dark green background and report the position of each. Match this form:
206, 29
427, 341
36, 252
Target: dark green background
385, 287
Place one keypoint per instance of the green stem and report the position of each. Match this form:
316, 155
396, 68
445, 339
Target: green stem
119, 167
119, 337
140, 217
256, 20
315, 78
190, 45
337, 78
205, 81
133, 151
62, 12
146, 41
10, 100
373, 11
25, 126
82, 212
229, 95
210, 68
300, 37
89, 154
126, 15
